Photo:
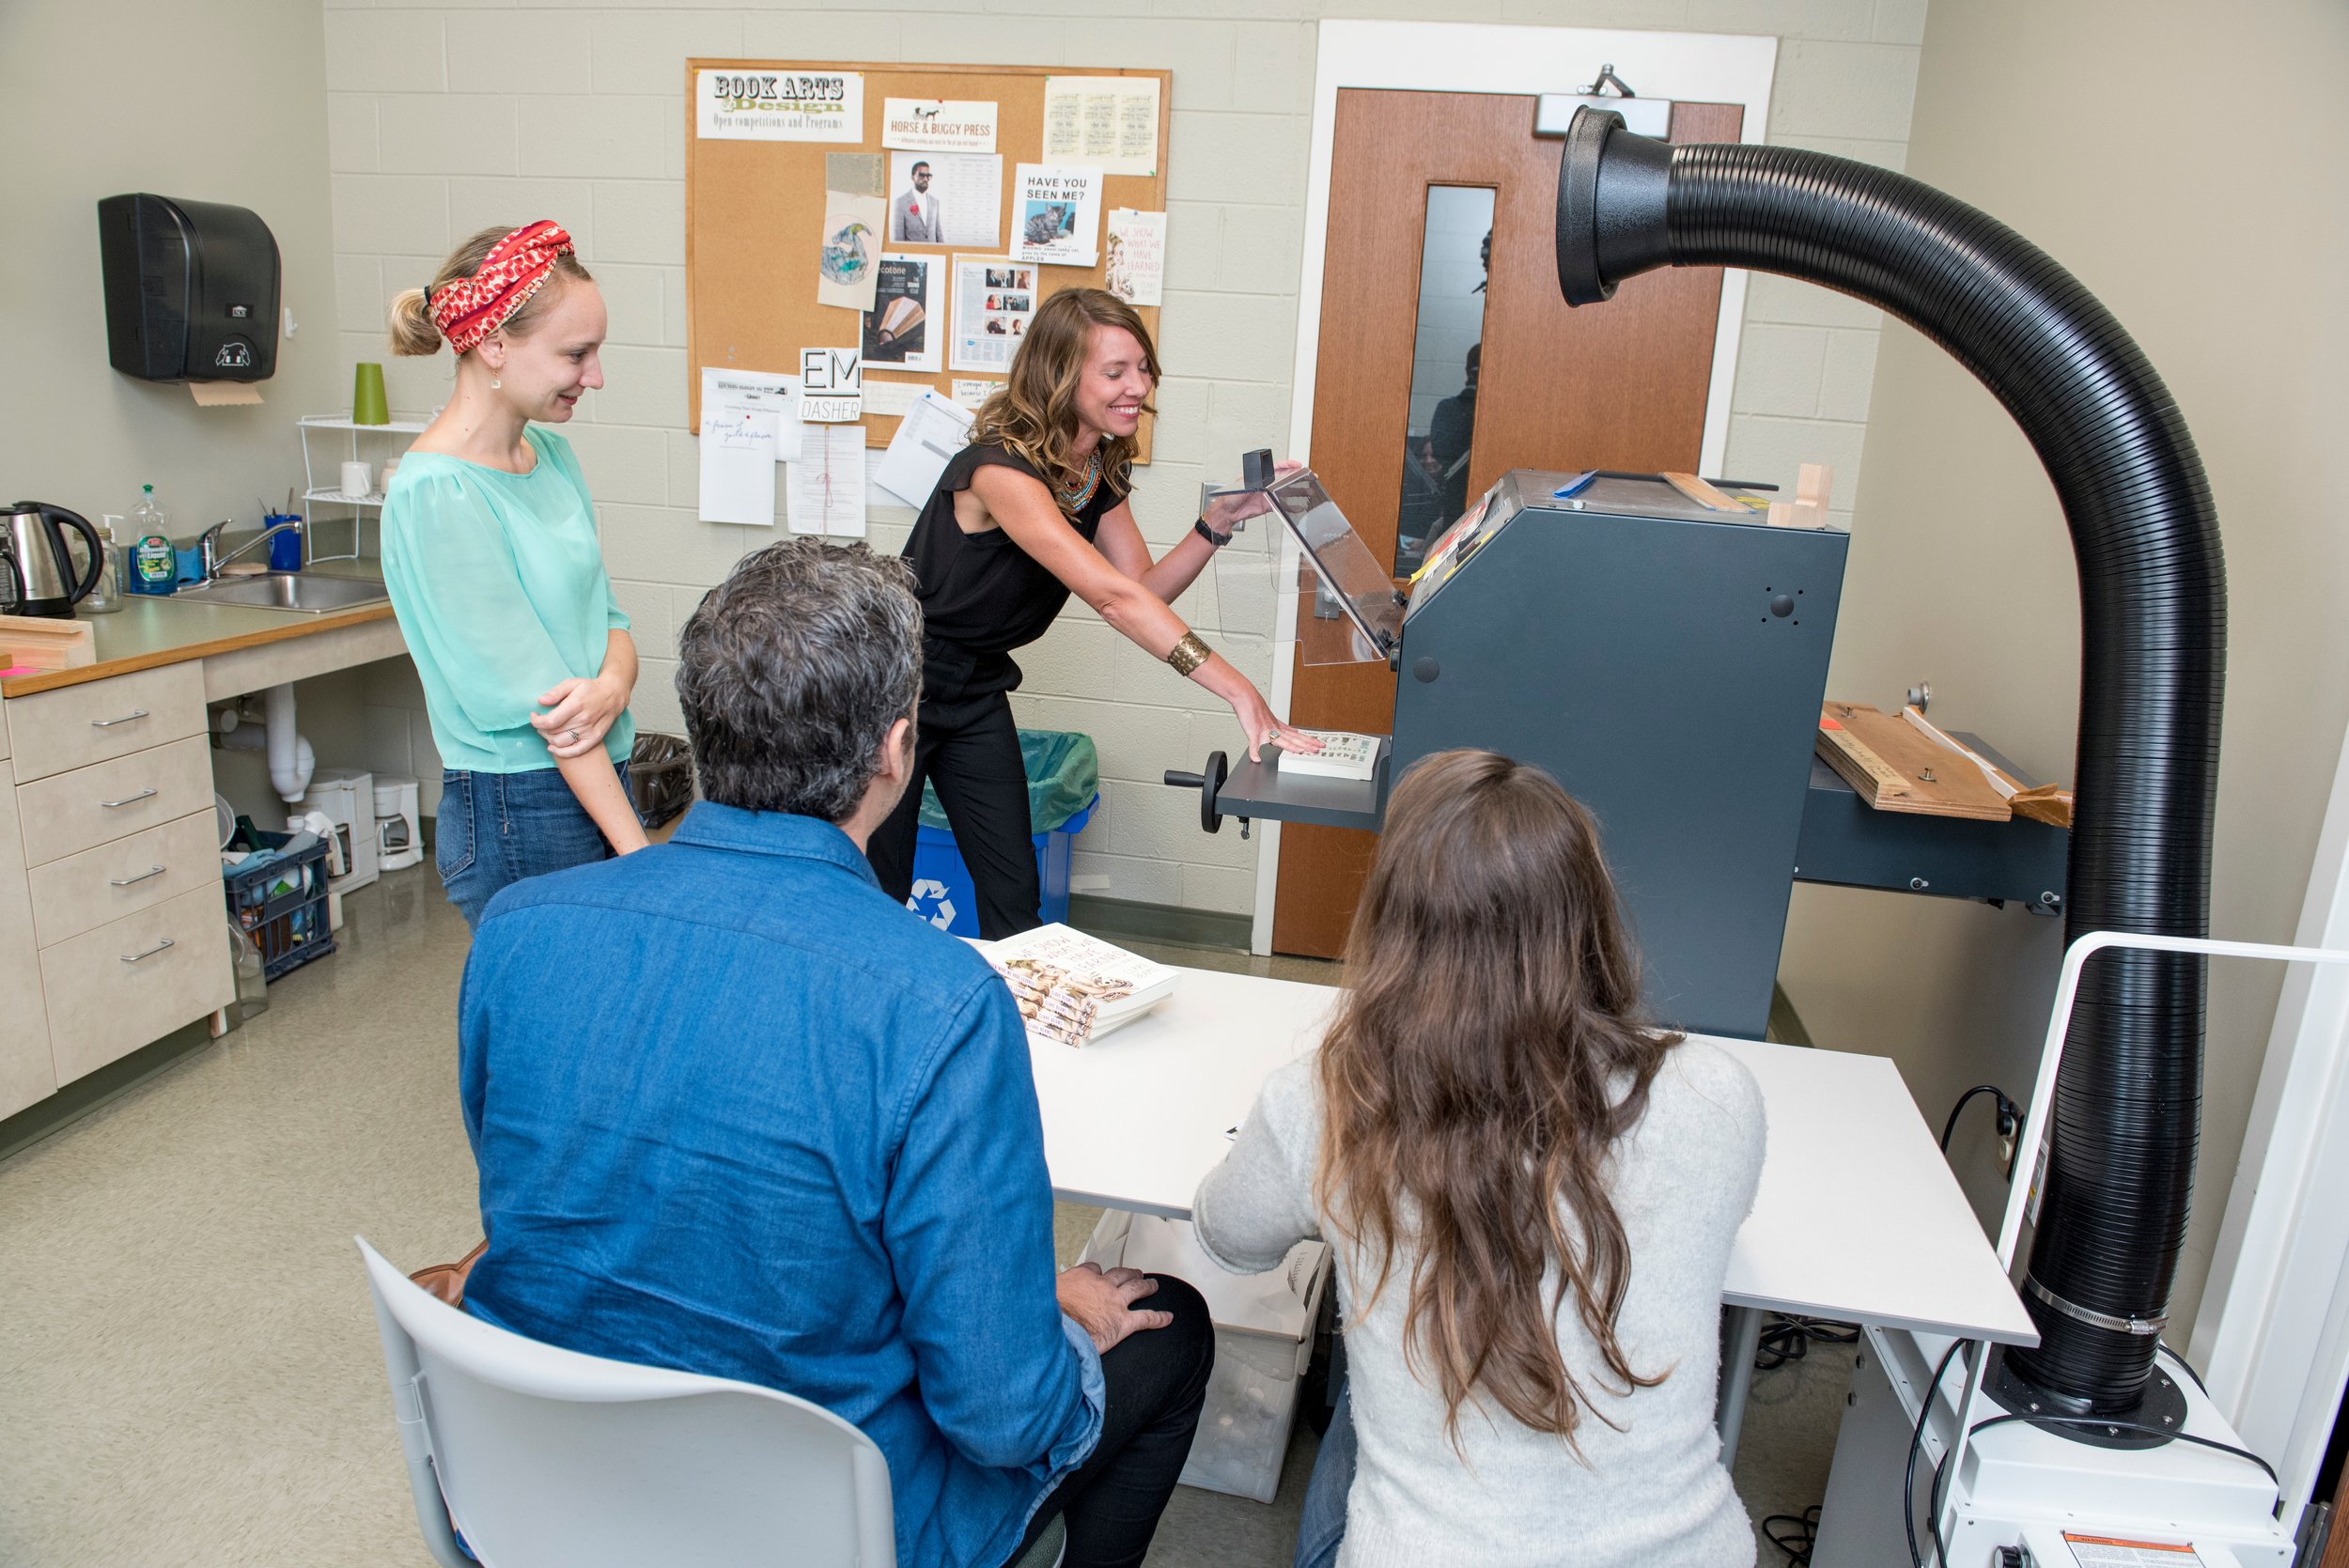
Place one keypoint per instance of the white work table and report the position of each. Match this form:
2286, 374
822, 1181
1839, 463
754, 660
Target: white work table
1857, 1216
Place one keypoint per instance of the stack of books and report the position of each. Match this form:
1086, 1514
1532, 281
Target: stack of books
1344, 754
1074, 988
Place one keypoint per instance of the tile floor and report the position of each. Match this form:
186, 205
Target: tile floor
189, 1372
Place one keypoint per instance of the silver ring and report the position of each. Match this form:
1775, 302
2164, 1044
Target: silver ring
572, 736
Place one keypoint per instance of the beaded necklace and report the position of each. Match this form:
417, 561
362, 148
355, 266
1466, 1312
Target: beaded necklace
1078, 494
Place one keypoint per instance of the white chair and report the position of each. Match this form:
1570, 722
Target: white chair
545, 1456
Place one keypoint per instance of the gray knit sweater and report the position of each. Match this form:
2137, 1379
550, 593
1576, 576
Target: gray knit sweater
1652, 1494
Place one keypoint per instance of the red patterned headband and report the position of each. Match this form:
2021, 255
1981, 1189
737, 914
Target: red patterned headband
470, 309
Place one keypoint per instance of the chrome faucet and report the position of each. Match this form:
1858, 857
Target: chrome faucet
208, 545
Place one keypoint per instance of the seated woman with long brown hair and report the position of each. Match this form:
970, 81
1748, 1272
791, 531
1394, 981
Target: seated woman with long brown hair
1532, 1194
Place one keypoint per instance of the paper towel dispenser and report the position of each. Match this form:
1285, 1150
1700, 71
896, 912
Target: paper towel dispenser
190, 289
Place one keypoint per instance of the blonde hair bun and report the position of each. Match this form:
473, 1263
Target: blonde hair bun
413, 331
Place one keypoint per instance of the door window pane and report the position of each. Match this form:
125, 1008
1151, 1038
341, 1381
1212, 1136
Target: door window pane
1445, 354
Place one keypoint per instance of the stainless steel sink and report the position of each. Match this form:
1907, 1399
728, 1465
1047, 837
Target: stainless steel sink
302, 593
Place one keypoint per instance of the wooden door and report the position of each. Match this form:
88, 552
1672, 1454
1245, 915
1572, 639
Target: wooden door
1620, 386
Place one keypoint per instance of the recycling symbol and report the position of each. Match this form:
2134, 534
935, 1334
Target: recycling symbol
932, 892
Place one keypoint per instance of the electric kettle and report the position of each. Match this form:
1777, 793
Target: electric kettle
41, 576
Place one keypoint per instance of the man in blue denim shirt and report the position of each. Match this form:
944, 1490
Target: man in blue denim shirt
738, 1112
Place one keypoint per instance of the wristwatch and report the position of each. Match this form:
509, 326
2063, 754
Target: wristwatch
1218, 540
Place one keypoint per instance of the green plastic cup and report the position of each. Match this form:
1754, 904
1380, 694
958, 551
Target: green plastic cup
368, 405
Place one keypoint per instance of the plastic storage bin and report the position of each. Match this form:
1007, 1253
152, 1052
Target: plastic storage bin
1064, 786
1264, 1340
281, 903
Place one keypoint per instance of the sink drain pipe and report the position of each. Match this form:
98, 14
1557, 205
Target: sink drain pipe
2153, 656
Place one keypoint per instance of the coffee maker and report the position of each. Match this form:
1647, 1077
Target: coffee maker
38, 572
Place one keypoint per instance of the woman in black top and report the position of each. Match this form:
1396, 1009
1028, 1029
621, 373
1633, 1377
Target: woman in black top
1033, 510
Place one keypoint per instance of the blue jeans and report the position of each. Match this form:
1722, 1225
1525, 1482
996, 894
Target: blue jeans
1321, 1526
498, 829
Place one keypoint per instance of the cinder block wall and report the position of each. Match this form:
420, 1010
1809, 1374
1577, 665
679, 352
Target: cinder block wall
445, 120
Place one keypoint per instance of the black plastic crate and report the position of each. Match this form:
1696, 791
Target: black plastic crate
282, 905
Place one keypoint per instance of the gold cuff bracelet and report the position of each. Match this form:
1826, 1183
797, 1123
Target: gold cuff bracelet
1188, 653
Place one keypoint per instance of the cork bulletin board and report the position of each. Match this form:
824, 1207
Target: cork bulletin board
754, 219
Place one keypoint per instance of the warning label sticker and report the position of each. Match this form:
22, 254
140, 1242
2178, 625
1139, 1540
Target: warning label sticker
2105, 1551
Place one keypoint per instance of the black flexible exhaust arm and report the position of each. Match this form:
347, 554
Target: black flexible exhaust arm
2153, 655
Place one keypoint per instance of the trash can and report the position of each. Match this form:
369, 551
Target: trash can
1064, 786
660, 778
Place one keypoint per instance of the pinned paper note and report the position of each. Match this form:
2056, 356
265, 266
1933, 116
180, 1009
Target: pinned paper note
1056, 214
932, 431
848, 262
938, 124
1108, 121
891, 399
946, 198
758, 389
749, 423
995, 299
831, 385
737, 465
908, 319
827, 491
1136, 248
971, 393
779, 105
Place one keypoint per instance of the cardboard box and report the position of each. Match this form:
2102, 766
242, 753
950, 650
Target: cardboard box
1264, 1340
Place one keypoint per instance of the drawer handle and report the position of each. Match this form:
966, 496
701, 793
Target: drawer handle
134, 957
109, 724
126, 881
128, 800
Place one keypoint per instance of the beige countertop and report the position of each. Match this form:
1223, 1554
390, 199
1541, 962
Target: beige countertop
148, 631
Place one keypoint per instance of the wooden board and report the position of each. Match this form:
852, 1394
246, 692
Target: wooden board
1894, 767
45, 642
754, 216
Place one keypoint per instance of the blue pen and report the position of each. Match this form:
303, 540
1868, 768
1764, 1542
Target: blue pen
1578, 483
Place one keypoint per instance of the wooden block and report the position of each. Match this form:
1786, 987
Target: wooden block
46, 643
2048, 804
1814, 482
1781, 514
1893, 767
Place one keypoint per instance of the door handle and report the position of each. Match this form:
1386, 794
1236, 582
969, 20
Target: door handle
127, 800
109, 724
134, 957
126, 881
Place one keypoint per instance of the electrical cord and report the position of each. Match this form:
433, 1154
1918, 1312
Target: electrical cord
1916, 1443
2009, 1121
1788, 1337
1801, 1534
2184, 1365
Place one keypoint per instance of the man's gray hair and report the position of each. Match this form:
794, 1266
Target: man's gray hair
792, 669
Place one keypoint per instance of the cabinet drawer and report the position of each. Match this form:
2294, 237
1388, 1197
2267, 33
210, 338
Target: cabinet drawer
84, 892
26, 1072
73, 726
135, 980
67, 812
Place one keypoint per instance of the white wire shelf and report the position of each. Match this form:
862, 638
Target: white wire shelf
339, 498
344, 422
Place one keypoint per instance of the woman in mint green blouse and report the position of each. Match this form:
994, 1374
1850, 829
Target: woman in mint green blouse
496, 574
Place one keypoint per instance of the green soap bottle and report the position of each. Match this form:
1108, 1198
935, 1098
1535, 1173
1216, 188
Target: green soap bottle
154, 564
